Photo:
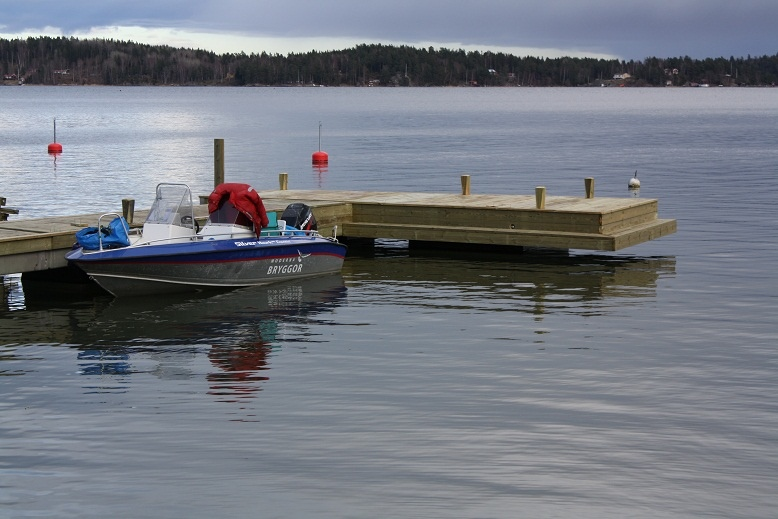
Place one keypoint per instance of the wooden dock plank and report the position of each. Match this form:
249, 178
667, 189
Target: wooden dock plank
478, 217
553, 203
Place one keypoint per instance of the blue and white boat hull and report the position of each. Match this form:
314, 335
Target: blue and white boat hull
198, 264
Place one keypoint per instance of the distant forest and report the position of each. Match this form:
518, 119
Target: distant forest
72, 61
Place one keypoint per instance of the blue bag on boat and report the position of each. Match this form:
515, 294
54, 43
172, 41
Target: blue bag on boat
114, 235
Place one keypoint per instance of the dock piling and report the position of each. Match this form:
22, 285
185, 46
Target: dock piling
283, 181
589, 186
540, 197
218, 162
5, 211
128, 209
465, 184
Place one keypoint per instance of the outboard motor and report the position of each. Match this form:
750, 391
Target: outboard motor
300, 216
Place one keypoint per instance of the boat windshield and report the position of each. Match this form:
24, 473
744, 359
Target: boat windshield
229, 214
172, 206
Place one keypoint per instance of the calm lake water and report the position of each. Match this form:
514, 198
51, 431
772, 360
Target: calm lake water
637, 384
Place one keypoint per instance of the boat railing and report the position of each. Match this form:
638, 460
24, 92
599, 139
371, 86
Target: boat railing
241, 235
100, 226
164, 240
295, 232
268, 232
288, 231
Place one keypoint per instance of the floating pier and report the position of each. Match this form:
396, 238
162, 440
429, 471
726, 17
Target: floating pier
536, 220
565, 222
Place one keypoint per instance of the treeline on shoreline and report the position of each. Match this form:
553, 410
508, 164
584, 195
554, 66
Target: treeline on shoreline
71, 61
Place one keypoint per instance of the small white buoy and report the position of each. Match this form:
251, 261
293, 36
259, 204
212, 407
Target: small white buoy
634, 183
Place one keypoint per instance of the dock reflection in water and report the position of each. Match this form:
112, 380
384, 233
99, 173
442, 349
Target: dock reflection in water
537, 282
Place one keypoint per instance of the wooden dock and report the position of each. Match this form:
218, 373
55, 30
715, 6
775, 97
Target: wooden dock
566, 222
559, 222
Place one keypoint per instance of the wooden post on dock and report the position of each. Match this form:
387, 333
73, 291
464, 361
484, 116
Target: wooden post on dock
128, 209
218, 162
589, 186
465, 184
283, 181
540, 197
5, 211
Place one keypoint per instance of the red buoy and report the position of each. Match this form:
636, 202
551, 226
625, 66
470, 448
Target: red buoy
320, 157
55, 147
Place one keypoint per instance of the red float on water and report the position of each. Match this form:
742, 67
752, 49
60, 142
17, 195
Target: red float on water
320, 157
55, 147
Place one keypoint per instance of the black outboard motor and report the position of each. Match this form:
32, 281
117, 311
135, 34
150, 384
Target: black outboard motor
300, 216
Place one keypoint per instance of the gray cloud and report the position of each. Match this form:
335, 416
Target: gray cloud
629, 29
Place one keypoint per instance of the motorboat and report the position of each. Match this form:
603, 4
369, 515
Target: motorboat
240, 244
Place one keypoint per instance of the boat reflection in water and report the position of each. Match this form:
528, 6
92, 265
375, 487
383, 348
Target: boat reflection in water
237, 331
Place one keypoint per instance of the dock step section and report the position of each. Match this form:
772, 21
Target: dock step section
642, 233
512, 237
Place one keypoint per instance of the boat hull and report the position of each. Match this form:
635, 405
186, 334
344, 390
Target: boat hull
202, 264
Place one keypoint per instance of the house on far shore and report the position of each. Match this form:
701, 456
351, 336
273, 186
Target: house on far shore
622, 76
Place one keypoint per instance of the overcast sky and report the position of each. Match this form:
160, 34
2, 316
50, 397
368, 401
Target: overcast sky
624, 29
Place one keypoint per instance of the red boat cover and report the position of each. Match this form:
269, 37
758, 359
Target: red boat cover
244, 198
